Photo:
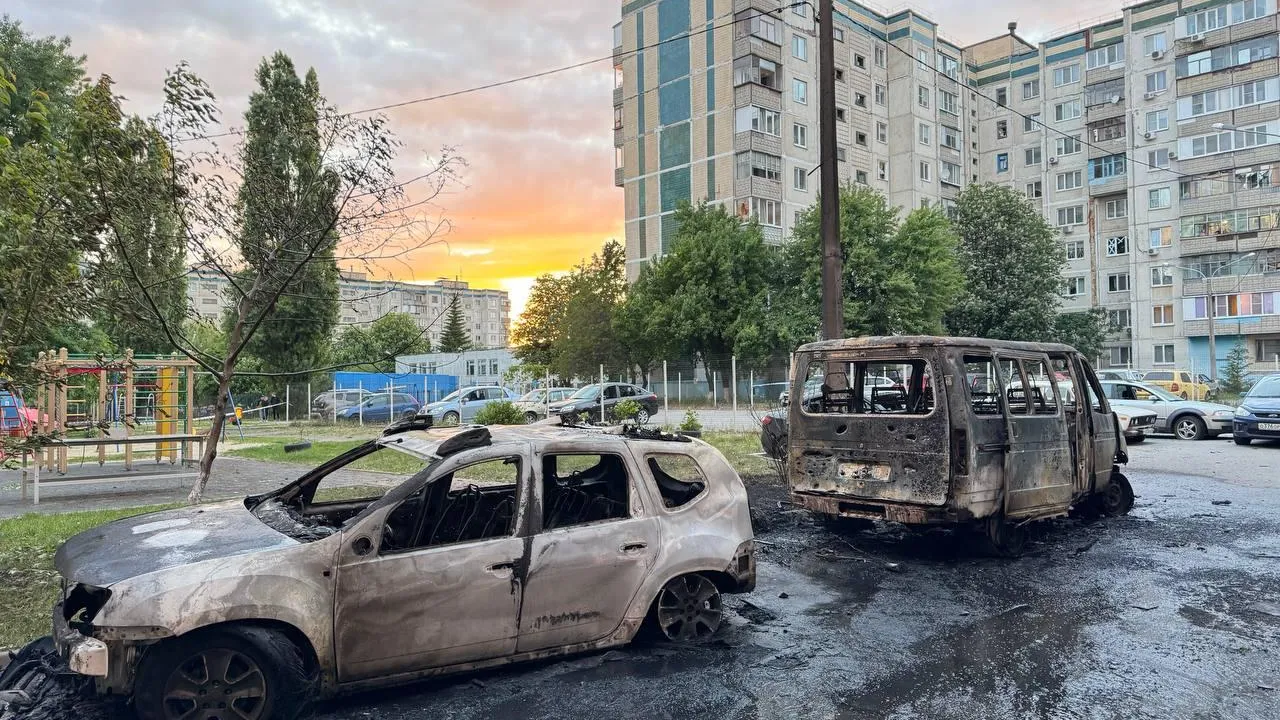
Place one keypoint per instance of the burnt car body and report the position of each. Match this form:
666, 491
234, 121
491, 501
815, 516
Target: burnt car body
518, 544
941, 448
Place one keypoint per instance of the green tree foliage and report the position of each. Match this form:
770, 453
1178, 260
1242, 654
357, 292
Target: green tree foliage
1013, 261
288, 193
541, 324
596, 288
375, 348
707, 297
47, 79
455, 338
900, 277
1237, 367
1085, 331
500, 412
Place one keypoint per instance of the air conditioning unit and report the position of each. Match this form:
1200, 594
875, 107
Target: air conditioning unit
1156, 55
1148, 136
1149, 95
1067, 229
1153, 251
1197, 38
1173, 155
1115, 99
1053, 161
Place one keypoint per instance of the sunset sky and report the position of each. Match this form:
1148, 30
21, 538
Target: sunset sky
538, 193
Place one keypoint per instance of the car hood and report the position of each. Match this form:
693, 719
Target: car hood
1132, 409
144, 544
1261, 403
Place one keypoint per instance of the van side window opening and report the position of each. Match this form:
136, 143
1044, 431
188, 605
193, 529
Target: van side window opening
1015, 387
579, 489
1042, 388
869, 387
1061, 366
984, 387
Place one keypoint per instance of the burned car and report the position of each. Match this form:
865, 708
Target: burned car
975, 433
507, 545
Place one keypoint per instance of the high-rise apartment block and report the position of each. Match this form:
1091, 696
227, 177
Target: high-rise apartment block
1152, 140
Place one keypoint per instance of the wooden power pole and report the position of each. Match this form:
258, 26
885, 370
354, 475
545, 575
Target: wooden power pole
829, 182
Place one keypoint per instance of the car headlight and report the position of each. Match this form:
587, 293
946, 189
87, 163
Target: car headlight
1222, 413
1242, 411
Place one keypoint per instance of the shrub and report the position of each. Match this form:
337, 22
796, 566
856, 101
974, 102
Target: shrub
501, 412
691, 422
626, 410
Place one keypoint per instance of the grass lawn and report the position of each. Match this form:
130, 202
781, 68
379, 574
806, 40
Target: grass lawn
384, 460
28, 583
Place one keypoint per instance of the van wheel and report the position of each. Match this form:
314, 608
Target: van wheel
240, 673
1189, 427
1006, 539
1117, 498
688, 609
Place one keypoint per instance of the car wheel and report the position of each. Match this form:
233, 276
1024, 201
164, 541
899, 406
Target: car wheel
1189, 427
642, 417
245, 673
689, 608
1136, 439
531, 417
1006, 539
1117, 498
1242, 441
450, 418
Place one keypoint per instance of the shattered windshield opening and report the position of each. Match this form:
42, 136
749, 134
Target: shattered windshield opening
321, 503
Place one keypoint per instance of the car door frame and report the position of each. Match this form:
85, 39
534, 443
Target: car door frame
1035, 441
360, 552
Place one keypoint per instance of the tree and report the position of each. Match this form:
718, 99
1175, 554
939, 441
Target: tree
1013, 261
541, 323
374, 349
595, 289
1085, 331
47, 79
1233, 382
707, 296
455, 338
900, 277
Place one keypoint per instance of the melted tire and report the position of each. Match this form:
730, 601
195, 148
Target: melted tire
37, 685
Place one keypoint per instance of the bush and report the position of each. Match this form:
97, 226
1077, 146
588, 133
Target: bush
501, 412
691, 422
626, 410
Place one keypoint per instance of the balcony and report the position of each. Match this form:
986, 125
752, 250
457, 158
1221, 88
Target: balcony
617, 177
752, 45
1207, 244
1252, 325
762, 6
617, 96
1105, 111
762, 142
1108, 185
1231, 284
749, 94
757, 187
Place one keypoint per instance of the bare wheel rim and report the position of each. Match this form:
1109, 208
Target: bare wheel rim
216, 683
1186, 429
642, 417
689, 608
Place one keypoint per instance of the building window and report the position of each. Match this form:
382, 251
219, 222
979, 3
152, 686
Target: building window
1159, 198
882, 132
840, 154
1109, 129
1109, 91
1237, 96
1118, 208
1075, 249
1160, 237
922, 59
1118, 245
922, 96
926, 172
839, 75
758, 164
1066, 75
1164, 355
1105, 56
925, 133
1157, 120
1002, 162
860, 61
882, 170
1120, 356
1157, 82
1068, 145
1105, 168
949, 66
1161, 277
1002, 129
1118, 282
841, 115
1268, 350
752, 69
1155, 43
1069, 180
880, 56
1033, 156
800, 91
860, 177
1226, 56
948, 102
1031, 89
761, 26
950, 173
950, 137
618, 158
802, 10
800, 135
1224, 15
1226, 222
1075, 286
860, 138
1162, 314
1035, 190
1002, 96
759, 119
1069, 110
882, 94
1031, 123
618, 77
838, 33
1073, 215
1228, 141
799, 47
766, 212
617, 118
1118, 319
800, 179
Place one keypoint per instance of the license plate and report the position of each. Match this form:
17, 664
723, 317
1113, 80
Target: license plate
1273, 427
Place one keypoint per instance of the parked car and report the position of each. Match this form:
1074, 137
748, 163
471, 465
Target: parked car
1258, 417
1179, 382
462, 405
328, 402
382, 408
534, 403
1127, 375
1186, 419
584, 403
1215, 387
1253, 378
1134, 423
262, 604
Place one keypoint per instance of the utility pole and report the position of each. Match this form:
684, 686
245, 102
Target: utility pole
829, 182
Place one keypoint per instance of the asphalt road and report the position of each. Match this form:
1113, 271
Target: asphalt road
1171, 612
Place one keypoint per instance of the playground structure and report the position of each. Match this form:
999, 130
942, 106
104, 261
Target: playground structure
106, 396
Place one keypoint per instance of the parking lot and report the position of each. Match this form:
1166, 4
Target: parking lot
1171, 612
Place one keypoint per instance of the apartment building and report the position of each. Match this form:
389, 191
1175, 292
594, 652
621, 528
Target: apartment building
1150, 139
363, 300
